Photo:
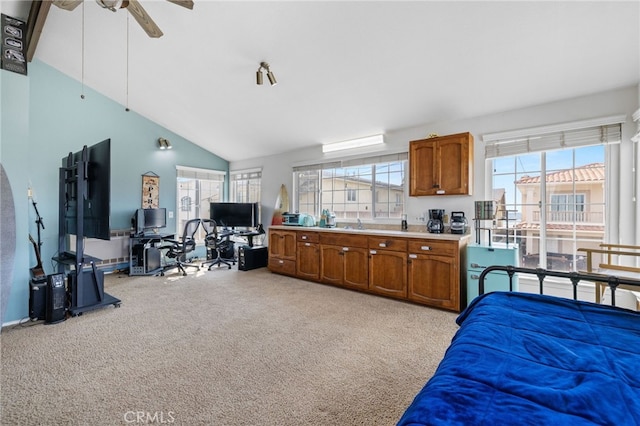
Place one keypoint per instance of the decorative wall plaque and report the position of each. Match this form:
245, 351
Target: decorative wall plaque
14, 45
150, 190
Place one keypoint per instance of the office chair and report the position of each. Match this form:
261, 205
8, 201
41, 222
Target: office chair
216, 244
179, 249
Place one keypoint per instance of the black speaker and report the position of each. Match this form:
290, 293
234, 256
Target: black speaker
37, 298
56, 306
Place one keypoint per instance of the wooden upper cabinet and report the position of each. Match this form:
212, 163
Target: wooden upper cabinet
441, 165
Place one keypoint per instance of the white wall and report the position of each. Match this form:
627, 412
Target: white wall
277, 169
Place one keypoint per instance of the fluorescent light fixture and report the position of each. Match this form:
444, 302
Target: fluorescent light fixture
353, 143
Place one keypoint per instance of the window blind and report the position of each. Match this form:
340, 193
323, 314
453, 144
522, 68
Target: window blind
246, 174
512, 143
203, 174
385, 158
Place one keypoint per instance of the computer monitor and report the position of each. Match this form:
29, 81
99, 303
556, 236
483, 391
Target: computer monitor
155, 218
144, 220
235, 214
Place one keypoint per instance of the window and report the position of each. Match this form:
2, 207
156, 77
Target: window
553, 196
567, 208
185, 203
196, 189
245, 186
370, 188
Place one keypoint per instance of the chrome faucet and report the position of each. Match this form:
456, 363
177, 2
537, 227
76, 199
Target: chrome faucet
360, 225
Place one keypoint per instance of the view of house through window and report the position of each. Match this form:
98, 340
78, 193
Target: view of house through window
370, 190
245, 186
555, 203
196, 189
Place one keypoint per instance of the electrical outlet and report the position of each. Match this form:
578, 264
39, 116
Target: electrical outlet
170, 215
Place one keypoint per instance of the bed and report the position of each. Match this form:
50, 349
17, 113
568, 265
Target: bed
521, 358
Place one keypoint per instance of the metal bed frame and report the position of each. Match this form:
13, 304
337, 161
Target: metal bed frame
575, 277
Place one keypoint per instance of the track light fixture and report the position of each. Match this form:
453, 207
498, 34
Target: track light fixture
270, 76
164, 144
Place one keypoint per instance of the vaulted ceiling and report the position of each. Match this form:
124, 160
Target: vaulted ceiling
344, 69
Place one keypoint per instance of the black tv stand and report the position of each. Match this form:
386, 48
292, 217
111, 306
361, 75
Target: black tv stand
85, 282
108, 300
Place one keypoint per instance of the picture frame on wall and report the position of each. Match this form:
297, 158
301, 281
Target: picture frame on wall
150, 191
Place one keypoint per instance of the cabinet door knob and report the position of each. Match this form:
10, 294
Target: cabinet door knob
345, 248
304, 237
382, 244
425, 248
475, 265
373, 252
307, 244
475, 277
413, 256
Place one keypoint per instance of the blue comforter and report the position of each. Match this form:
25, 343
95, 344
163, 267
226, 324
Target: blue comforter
528, 359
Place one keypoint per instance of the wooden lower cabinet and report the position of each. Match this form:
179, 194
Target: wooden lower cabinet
345, 266
424, 271
388, 273
434, 281
308, 261
282, 251
388, 266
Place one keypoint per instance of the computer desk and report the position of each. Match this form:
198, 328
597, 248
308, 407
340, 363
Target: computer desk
248, 235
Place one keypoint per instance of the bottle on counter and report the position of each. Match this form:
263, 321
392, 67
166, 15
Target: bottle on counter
404, 226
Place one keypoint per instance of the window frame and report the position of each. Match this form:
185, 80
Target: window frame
326, 181
252, 189
198, 175
517, 144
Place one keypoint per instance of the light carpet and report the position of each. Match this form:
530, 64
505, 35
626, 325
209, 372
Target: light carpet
223, 347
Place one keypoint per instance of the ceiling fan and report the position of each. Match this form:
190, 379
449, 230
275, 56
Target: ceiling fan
133, 6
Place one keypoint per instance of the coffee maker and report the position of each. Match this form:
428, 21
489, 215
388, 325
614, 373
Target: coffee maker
435, 224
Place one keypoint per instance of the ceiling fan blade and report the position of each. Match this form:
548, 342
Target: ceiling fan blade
184, 3
67, 4
144, 19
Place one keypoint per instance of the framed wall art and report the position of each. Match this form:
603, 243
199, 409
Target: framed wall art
150, 190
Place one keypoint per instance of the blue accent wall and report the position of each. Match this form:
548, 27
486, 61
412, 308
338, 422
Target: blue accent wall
58, 121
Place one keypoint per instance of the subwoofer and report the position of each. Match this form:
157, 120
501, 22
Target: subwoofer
37, 298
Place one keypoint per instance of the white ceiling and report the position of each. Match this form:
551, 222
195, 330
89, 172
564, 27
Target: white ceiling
344, 69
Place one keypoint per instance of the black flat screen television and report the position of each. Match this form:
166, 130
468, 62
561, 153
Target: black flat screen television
144, 220
96, 197
235, 215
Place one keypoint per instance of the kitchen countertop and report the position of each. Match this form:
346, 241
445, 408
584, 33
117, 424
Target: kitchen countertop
387, 232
